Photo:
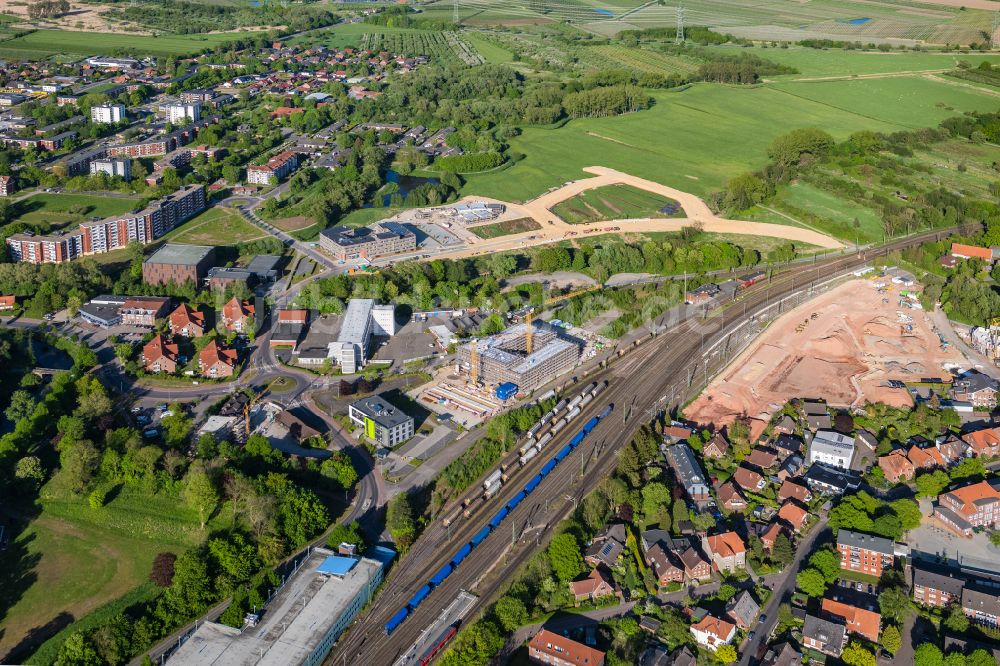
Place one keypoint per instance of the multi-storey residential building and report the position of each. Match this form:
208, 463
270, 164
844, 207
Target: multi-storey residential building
384, 423
378, 240
832, 448
963, 509
236, 315
160, 355
144, 310
183, 113
51, 249
547, 647
7, 186
727, 551
216, 360
107, 113
187, 322
277, 167
113, 167
983, 442
864, 552
982, 606
932, 588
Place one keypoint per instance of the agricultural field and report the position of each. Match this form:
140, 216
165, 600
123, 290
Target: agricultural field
216, 226
642, 60
438, 45
507, 227
491, 52
44, 43
74, 559
616, 202
56, 211
820, 63
697, 139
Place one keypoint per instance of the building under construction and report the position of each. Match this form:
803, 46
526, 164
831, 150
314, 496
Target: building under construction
528, 355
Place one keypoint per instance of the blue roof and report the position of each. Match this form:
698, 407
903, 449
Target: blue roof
336, 565
382, 554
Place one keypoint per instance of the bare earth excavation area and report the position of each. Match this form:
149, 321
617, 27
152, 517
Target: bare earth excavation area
843, 346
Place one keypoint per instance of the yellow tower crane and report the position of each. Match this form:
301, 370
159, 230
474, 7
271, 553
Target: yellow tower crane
474, 362
528, 342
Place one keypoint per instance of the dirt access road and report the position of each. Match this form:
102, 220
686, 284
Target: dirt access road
555, 228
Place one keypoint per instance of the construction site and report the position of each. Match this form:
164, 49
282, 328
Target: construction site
528, 355
860, 342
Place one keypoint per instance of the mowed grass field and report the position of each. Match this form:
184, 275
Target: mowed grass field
697, 139
59, 210
43, 43
837, 62
615, 202
72, 559
216, 226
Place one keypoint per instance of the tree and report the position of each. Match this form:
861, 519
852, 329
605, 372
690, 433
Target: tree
827, 562
346, 534
788, 148
674, 629
29, 469
200, 492
655, 496
931, 484
565, 558
21, 406
812, 582
77, 651
980, 657
895, 604
163, 569
726, 653
891, 639
782, 552
969, 469
726, 592
855, 654
79, 463
340, 469
956, 619
908, 512
510, 612
400, 522
927, 654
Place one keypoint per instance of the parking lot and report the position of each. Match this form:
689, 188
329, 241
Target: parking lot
931, 538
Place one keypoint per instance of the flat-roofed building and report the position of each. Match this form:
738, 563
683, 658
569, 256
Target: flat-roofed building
363, 319
832, 448
112, 167
178, 263
504, 357
384, 423
377, 240
107, 113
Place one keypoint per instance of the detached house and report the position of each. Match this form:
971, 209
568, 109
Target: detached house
715, 447
763, 458
791, 490
731, 498
747, 479
695, 566
985, 442
187, 322
726, 551
712, 632
216, 360
607, 546
594, 586
823, 635
896, 467
159, 355
794, 515
977, 388
743, 609
768, 538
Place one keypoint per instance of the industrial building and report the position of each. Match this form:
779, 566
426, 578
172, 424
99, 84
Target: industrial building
378, 240
363, 319
527, 355
301, 622
384, 423
178, 264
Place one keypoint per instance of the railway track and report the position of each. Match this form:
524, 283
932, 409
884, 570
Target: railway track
638, 385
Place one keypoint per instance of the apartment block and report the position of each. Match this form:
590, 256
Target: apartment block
107, 113
864, 552
113, 167
377, 240
277, 167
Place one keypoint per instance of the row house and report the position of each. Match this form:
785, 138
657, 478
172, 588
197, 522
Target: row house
143, 310
982, 606
932, 588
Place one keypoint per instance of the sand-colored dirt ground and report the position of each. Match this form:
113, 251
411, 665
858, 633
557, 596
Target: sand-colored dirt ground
80, 17
842, 346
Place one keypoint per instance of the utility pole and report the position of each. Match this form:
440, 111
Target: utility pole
454, 11
680, 23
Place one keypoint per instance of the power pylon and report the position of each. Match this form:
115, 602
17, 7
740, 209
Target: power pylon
454, 11
994, 39
680, 23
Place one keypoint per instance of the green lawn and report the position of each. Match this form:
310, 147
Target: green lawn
505, 228
42, 43
60, 210
493, 53
73, 559
615, 202
697, 139
818, 209
216, 226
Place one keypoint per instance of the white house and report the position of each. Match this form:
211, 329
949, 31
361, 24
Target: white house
833, 448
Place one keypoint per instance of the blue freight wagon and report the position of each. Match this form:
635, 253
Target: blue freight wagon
516, 499
481, 535
419, 596
577, 438
506, 391
396, 620
565, 451
549, 466
460, 555
591, 424
497, 519
441, 575
605, 412
531, 485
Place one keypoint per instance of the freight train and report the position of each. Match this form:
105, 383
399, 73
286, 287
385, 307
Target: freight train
493, 524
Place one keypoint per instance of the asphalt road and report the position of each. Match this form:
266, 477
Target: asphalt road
639, 386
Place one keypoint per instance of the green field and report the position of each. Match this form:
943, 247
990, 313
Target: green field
697, 139
352, 34
824, 211
216, 226
82, 558
43, 43
615, 202
491, 52
837, 62
55, 211
497, 229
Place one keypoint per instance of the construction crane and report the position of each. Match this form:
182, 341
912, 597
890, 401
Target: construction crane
563, 297
474, 362
252, 402
527, 329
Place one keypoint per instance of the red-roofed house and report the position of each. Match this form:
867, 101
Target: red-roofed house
713, 632
794, 515
159, 355
985, 442
796, 491
771, 535
547, 647
594, 586
236, 315
216, 360
731, 497
8, 302
857, 620
715, 447
971, 252
187, 322
896, 466
747, 479
726, 551
928, 458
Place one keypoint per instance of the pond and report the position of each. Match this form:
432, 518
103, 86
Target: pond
405, 183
